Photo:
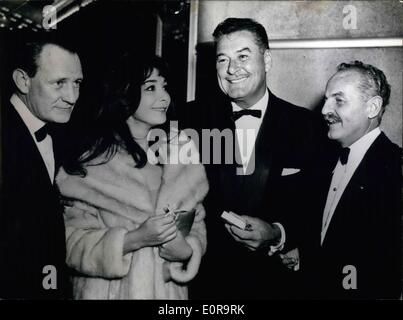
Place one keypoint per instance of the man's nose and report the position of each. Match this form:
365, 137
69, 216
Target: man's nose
70, 94
327, 107
233, 66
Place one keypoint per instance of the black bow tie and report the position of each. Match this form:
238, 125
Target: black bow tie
254, 113
41, 134
344, 152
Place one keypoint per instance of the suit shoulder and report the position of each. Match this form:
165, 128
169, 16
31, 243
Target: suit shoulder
388, 146
385, 153
292, 109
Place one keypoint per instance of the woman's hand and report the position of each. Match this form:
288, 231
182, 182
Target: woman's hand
176, 250
155, 231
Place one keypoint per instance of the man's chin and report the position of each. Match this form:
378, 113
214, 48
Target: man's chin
235, 94
61, 119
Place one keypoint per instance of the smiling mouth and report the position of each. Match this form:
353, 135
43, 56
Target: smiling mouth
332, 119
161, 109
332, 122
237, 80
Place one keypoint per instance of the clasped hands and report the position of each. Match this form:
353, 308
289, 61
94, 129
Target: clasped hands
259, 234
161, 231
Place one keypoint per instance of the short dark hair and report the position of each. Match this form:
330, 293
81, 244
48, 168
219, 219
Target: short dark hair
120, 98
28, 52
231, 25
373, 82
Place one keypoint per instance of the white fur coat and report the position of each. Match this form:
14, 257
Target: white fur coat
114, 198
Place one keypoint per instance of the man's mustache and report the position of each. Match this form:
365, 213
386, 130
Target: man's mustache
331, 117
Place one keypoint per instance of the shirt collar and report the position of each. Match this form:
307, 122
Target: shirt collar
260, 105
32, 122
361, 146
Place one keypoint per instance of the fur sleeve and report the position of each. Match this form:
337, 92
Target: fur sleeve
184, 272
92, 248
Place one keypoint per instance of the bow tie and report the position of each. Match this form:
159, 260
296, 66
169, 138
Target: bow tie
41, 134
344, 152
254, 113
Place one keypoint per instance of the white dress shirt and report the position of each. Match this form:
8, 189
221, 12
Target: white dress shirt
33, 124
342, 175
247, 128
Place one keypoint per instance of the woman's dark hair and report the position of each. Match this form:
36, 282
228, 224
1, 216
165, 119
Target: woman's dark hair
120, 99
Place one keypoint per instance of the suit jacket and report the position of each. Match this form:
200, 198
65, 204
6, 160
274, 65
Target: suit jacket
286, 139
32, 233
365, 230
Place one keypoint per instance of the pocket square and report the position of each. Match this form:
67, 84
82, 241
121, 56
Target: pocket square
288, 171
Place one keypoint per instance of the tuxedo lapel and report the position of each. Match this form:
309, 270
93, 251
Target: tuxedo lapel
230, 184
31, 217
237, 187
262, 158
29, 157
354, 200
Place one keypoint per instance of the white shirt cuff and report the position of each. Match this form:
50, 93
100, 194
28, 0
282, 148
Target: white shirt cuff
280, 245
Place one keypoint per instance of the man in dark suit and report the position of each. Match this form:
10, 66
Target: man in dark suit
47, 79
353, 242
273, 141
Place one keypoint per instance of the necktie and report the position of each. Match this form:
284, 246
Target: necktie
344, 152
254, 113
41, 133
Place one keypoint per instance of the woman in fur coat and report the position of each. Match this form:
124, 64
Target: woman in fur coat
123, 199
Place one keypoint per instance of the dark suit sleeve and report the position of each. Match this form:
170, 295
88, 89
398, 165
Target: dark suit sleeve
387, 209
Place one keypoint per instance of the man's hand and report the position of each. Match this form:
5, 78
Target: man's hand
260, 234
291, 259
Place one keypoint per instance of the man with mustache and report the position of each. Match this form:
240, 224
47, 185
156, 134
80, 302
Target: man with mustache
352, 247
47, 77
264, 185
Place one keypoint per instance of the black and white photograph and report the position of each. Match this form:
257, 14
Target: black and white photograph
201, 154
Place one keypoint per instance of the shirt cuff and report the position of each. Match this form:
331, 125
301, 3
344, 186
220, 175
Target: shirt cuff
279, 246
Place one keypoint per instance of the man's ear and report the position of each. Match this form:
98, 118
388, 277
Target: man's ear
374, 107
267, 60
21, 80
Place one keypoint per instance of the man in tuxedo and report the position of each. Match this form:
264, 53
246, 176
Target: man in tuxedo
263, 185
352, 247
47, 77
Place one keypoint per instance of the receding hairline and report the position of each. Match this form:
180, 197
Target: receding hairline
354, 74
51, 46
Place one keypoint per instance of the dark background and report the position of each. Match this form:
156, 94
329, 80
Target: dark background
102, 31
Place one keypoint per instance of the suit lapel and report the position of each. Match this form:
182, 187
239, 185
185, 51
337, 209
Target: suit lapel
237, 188
30, 156
263, 160
352, 197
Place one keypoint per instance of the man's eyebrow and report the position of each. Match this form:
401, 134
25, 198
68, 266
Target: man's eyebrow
57, 79
339, 93
66, 79
244, 49
238, 51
